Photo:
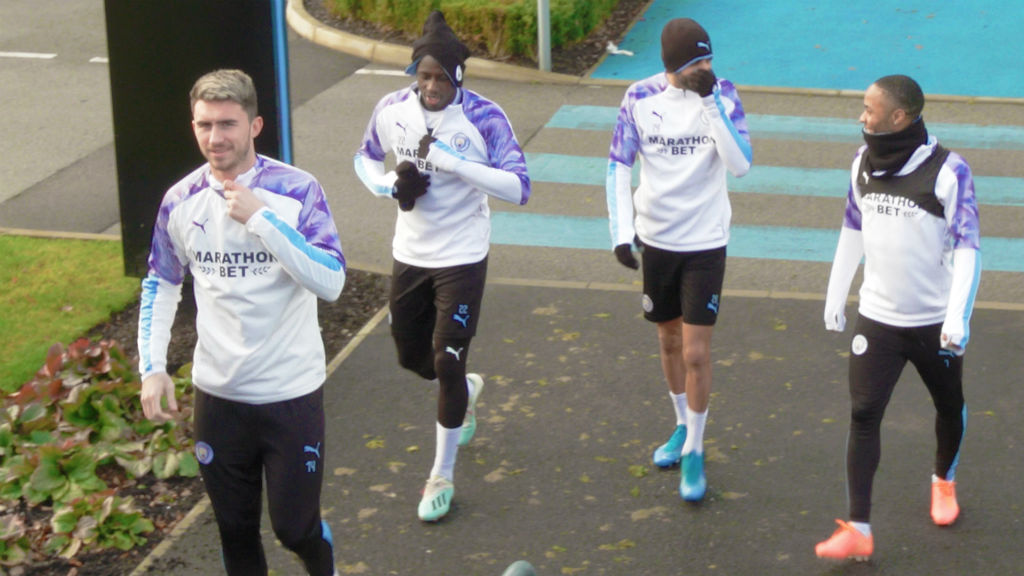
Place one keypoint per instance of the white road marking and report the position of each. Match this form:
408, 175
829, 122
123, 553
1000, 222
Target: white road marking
381, 72
36, 55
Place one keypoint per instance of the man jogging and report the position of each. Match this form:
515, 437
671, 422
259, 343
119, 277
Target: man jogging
454, 149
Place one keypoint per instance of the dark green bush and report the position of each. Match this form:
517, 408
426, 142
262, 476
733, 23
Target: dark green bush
500, 28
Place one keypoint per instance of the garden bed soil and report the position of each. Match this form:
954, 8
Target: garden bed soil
575, 59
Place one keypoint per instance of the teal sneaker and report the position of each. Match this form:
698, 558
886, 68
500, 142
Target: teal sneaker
667, 455
692, 483
469, 422
437, 499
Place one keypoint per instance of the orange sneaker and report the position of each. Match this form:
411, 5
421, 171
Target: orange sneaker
847, 543
944, 506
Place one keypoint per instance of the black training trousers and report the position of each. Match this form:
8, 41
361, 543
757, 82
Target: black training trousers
237, 444
878, 354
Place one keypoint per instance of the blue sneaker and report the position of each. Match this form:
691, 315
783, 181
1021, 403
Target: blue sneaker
667, 455
692, 483
469, 422
437, 499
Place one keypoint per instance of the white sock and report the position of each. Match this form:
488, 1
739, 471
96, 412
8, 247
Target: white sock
445, 452
679, 402
470, 388
695, 431
862, 527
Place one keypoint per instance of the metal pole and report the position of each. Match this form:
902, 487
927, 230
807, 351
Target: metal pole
544, 35
284, 108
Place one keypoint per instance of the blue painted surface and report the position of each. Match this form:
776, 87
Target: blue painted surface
963, 47
812, 129
763, 242
784, 180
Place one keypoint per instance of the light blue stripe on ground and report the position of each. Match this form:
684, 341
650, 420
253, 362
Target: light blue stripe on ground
815, 182
808, 128
762, 242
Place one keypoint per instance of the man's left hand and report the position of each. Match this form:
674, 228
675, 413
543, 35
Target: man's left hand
952, 342
242, 203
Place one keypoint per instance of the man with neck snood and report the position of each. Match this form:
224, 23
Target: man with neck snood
911, 214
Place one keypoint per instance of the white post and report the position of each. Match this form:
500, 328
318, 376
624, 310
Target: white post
544, 35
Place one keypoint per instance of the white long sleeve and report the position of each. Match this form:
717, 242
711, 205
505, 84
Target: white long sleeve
849, 252
373, 175
314, 269
956, 331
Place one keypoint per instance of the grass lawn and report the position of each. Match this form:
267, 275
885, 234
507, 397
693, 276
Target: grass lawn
54, 290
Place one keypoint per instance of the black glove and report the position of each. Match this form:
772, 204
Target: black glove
410, 185
702, 82
624, 252
424, 148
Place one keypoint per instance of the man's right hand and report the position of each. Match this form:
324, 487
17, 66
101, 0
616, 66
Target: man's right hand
702, 82
624, 253
411, 184
155, 388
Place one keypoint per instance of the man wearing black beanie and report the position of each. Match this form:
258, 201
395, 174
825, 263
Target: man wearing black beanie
453, 149
912, 216
690, 129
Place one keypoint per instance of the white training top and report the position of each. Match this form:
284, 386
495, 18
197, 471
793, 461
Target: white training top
909, 275
450, 224
255, 284
685, 143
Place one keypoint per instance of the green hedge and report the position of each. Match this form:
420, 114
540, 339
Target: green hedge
501, 28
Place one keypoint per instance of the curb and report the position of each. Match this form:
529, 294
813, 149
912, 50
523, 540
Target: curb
397, 55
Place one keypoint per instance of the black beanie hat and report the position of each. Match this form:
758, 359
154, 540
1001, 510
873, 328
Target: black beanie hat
438, 40
683, 42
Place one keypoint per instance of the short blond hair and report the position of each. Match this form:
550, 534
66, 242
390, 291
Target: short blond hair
226, 84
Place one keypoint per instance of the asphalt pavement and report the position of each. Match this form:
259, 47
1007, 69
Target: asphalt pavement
559, 473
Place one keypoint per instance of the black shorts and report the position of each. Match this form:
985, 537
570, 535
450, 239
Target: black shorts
686, 284
438, 302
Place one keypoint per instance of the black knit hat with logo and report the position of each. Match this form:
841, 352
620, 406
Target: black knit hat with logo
438, 40
683, 42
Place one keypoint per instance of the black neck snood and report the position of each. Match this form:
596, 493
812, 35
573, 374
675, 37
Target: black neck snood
887, 153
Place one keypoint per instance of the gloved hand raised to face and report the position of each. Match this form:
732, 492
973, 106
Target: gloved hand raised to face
411, 184
702, 82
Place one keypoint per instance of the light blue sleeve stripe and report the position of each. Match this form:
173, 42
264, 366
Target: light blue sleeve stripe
743, 143
971, 297
146, 299
299, 242
448, 149
613, 200
364, 176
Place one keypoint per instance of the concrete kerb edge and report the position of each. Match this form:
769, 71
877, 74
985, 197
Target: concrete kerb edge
173, 537
57, 235
396, 55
